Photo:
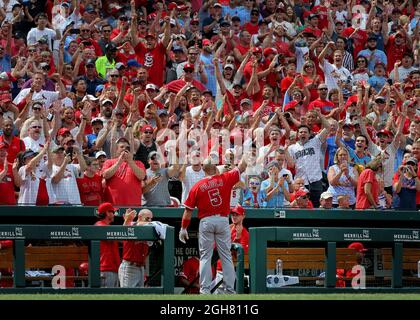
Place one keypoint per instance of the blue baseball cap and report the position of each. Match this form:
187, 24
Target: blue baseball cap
99, 87
133, 63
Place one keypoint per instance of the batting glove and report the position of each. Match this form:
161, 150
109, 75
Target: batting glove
183, 235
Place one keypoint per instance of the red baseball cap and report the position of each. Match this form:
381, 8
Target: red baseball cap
150, 35
189, 66
301, 192
268, 51
384, 131
105, 207
172, 6
351, 100
290, 105
146, 127
206, 42
358, 246
238, 210
257, 50
63, 131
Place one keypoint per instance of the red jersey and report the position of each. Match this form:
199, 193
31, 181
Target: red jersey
243, 241
211, 195
90, 190
153, 60
190, 271
7, 187
394, 52
110, 256
123, 188
251, 28
177, 85
367, 176
234, 101
359, 39
13, 148
135, 251
325, 106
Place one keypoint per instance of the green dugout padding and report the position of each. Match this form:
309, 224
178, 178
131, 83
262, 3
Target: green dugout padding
263, 214
329, 237
93, 234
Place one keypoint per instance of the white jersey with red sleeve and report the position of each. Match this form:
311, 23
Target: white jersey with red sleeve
211, 195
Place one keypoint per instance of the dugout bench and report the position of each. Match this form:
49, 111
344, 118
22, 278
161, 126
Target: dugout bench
21, 257
261, 258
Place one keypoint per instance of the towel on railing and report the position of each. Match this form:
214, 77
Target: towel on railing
160, 228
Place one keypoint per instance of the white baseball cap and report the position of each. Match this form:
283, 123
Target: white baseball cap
100, 153
90, 97
326, 195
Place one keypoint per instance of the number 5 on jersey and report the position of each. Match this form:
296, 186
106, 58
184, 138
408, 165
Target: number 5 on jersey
215, 198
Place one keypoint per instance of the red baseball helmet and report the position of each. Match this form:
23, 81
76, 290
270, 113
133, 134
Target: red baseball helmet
84, 269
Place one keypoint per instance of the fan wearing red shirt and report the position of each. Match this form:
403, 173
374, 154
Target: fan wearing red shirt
123, 173
359, 38
252, 25
368, 186
119, 33
238, 234
109, 255
152, 55
7, 186
90, 186
265, 98
396, 46
324, 105
314, 25
211, 196
12, 143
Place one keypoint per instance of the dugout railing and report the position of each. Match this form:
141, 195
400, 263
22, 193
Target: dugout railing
260, 237
93, 235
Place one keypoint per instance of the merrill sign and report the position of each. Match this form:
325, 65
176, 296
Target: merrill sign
123, 235
15, 234
73, 233
409, 237
314, 235
365, 235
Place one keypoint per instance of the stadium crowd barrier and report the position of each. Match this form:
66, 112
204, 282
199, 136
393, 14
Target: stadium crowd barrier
259, 237
67, 216
92, 234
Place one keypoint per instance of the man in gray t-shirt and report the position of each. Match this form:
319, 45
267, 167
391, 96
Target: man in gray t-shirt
155, 191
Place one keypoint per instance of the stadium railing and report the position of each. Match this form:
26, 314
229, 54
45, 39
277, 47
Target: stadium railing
259, 237
93, 235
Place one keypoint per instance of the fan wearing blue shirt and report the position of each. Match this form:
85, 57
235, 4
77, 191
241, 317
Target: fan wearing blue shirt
276, 188
373, 54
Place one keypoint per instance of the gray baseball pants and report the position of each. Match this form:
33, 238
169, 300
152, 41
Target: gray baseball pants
109, 279
215, 229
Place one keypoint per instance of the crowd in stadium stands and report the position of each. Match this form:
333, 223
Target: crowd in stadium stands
122, 101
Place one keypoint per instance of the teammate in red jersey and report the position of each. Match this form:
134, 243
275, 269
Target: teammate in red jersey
110, 257
211, 196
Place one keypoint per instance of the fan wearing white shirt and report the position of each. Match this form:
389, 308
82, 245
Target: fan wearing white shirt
335, 72
41, 31
38, 94
34, 178
64, 173
305, 156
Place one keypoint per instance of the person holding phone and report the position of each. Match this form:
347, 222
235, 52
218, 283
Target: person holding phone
156, 192
342, 177
406, 185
